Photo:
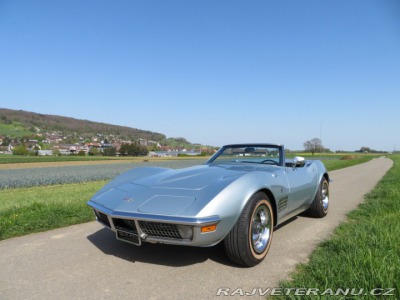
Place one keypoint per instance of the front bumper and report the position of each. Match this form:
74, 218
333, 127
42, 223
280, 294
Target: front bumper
136, 228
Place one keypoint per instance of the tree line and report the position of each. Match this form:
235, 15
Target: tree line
133, 150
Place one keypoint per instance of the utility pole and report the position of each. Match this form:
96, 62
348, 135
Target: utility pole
320, 135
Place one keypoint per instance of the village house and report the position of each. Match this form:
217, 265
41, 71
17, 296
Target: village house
68, 149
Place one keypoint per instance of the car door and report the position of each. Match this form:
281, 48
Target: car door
302, 182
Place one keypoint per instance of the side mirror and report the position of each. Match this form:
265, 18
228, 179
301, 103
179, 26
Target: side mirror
298, 161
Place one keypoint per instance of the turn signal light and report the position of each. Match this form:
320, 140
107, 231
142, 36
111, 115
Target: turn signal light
209, 228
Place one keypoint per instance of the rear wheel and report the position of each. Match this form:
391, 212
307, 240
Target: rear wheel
320, 205
249, 240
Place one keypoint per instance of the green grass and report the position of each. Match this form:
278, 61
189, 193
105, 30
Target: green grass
335, 164
28, 210
363, 253
335, 161
14, 129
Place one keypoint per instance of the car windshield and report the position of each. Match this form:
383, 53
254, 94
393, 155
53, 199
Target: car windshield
248, 154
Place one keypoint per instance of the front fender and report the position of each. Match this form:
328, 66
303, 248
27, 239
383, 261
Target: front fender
230, 202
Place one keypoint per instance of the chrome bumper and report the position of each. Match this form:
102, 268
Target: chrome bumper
136, 228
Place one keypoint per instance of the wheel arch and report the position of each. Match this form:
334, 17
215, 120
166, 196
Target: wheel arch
273, 202
326, 176
240, 242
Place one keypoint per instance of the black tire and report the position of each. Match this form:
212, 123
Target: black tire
319, 207
248, 242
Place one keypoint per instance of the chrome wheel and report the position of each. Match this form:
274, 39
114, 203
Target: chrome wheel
261, 228
249, 240
325, 195
320, 205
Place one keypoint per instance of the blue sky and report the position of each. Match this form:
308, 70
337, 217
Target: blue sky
214, 72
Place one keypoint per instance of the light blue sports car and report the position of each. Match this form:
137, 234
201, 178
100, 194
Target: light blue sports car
237, 197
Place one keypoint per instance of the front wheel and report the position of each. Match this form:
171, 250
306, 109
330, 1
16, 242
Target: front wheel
249, 240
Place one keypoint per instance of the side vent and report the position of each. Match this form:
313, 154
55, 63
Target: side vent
282, 204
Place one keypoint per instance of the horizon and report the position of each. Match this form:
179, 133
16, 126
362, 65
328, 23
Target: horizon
213, 146
213, 73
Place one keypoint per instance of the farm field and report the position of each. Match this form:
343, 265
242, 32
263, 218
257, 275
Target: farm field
15, 175
17, 160
65, 174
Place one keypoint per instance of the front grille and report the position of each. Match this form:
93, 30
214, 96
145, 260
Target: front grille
163, 230
102, 218
125, 224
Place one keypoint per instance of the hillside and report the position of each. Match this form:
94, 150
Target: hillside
18, 123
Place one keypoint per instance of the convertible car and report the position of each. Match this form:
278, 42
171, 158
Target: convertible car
237, 197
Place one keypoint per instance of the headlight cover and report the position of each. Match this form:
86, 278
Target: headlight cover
185, 231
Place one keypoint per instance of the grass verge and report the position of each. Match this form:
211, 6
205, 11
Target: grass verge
29, 210
364, 252
336, 164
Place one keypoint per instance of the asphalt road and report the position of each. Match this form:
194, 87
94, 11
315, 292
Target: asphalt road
86, 262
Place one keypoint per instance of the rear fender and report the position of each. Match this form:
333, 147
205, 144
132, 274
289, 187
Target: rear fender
322, 173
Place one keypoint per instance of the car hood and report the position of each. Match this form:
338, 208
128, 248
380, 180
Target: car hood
170, 192
194, 178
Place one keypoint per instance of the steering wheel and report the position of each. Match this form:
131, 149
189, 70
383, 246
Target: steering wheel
269, 160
